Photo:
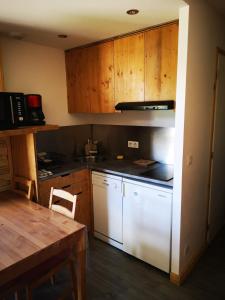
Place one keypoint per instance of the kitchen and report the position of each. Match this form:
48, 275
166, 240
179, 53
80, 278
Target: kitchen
57, 114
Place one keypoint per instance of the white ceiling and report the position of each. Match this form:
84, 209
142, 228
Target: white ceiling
84, 21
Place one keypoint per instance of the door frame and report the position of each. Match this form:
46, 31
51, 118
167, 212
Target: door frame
219, 51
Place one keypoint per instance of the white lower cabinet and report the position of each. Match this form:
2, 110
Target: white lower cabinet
147, 223
134, 217
108, 208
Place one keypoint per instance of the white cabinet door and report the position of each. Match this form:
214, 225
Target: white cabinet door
147, 224
107, 202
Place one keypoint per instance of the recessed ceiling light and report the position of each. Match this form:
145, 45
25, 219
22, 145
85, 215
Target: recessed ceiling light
62, 36
132, 11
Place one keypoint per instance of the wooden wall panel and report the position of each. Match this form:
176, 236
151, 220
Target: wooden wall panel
129, 68
24, 156
1, 77
5, 164
161, 62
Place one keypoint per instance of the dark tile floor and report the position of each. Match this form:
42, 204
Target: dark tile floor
112, 274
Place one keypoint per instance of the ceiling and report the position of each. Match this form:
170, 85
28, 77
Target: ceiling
84, 21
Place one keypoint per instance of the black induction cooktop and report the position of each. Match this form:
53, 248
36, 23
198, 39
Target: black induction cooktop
160, 172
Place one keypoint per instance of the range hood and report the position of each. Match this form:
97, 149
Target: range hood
146, 105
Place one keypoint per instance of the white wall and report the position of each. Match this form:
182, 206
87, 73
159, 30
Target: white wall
179, 137
32, 68
206, 32
137, 118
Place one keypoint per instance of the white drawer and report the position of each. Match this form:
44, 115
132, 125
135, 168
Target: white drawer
106, 180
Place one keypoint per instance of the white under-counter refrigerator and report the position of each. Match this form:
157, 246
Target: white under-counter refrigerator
147, 211
134, 216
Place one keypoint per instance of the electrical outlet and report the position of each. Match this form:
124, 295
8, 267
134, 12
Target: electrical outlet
133, 144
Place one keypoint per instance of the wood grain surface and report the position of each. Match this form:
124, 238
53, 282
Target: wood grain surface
31, 234
129, 68
101, 84
5, 164
27, 130
1, 76
90, 79
161, 62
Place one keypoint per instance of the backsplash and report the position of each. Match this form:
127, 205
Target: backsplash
155, 143
66, 140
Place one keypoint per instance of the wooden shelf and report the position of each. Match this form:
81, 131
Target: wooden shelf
27, 130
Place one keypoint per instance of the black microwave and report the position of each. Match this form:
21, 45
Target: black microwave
13, 110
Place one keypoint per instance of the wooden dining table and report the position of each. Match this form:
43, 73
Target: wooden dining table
30, 234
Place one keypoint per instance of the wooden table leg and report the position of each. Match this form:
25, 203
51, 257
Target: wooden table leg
80, 263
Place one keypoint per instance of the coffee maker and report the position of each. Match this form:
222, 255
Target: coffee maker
34, 107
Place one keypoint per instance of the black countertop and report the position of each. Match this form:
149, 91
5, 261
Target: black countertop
125, 168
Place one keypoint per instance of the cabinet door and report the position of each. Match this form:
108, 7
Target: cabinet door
129, 68
77, 72
161, 62
101, 83
147, 225
90, 79
107, 202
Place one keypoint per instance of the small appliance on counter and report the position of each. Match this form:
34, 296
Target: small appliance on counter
18, 110
35, 113
13, 110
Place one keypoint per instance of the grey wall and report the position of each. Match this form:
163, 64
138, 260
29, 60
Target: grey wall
154, 142
67, 140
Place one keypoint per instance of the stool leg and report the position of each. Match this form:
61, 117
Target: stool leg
52, 279
16, 295
28, 293
74, 279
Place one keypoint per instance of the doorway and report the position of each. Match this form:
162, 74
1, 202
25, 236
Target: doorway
216, 214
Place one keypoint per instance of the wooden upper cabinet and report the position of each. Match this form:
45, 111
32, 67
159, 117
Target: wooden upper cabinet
161, 62
129, 68
102, 78
90, 79
138, 67
77, 64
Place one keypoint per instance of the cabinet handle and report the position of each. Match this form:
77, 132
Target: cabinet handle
64, 175
162, 196
66, 186
106, 183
